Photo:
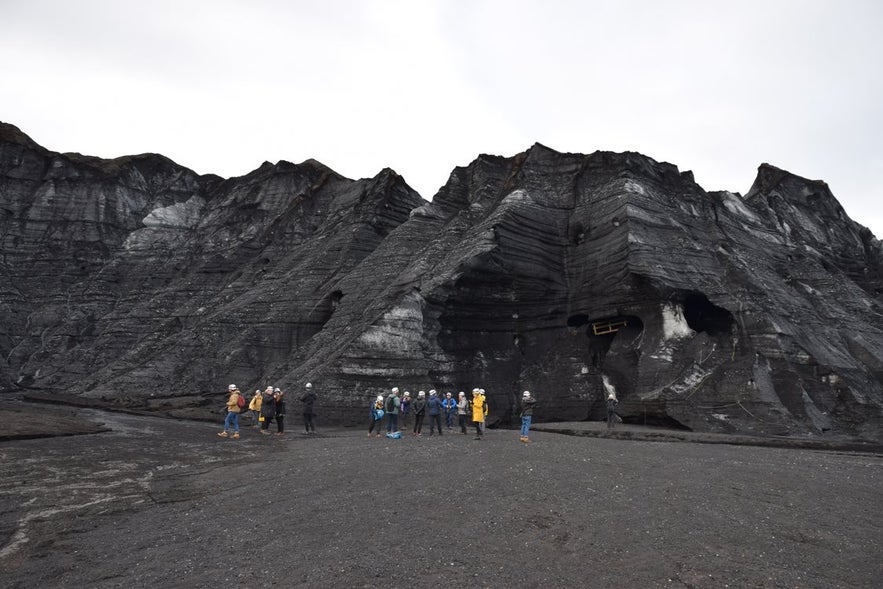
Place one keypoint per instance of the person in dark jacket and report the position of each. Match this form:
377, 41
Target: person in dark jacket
462, 411
611, 410
280, 412
405, 411
393, 403
308, 399
268, 409
419, 412
527, 403
434, 409
376, 416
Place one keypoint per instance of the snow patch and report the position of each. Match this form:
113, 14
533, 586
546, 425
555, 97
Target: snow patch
635, 188
182, 215
608, 388
736, 205
674, 326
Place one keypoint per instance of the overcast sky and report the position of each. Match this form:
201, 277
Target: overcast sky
716, 87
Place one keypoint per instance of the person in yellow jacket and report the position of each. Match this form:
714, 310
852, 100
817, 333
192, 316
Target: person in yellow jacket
232, 412
479, 411
255, 407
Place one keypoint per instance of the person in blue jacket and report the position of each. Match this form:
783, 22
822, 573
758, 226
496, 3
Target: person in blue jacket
434, 410
450, 406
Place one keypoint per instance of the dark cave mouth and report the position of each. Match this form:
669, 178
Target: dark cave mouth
704, 316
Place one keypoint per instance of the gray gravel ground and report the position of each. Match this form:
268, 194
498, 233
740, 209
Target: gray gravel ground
157, 502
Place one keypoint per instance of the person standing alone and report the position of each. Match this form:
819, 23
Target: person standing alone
308, 399
611, 410
527, 403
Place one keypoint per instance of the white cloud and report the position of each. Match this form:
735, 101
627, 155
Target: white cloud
423, 86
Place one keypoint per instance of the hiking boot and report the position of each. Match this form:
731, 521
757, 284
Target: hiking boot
223, 434
235, 435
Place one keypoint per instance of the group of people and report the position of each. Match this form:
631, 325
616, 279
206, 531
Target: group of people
266, 406
269, 405
475, 410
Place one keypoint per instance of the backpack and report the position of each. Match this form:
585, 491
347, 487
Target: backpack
240, 402
390, 404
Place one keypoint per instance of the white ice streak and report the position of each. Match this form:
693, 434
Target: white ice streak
182, 215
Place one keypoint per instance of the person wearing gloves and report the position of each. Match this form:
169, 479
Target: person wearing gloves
232, 417
527, 403
376, 416
419, 412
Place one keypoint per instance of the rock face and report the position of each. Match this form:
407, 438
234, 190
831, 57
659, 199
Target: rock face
139, 282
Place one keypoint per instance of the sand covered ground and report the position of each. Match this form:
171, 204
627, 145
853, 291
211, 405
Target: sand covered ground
160, 502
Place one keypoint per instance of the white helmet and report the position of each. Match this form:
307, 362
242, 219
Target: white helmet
232, 387
395, 389
309, 385
526, 394
380, 397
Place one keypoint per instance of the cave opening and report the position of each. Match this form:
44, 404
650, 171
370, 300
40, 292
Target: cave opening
335, 298
602, 332
654, 420
704, 316
577, 320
